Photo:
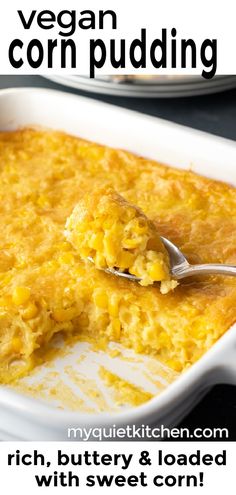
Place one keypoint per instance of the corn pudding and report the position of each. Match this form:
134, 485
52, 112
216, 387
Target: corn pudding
45, 286
116, 234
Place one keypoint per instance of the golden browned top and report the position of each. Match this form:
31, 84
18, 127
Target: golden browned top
45, 287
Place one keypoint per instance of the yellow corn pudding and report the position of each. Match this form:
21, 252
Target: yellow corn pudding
47, 288
116, 234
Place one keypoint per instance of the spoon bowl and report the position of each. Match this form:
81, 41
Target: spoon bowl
179, 266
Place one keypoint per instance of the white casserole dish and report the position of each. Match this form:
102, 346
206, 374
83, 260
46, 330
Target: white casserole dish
25, 418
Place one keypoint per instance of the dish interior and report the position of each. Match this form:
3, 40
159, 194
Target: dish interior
46, 289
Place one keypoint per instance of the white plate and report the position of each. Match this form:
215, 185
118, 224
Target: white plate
165, 87
29, 418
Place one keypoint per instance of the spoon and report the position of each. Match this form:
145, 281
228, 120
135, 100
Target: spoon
179, 266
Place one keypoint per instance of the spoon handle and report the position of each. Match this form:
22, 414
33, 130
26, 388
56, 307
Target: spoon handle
205, 269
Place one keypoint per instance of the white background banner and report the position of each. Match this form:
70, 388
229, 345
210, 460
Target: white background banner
65, 39
97, 467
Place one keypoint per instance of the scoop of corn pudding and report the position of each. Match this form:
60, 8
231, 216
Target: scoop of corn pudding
114, 233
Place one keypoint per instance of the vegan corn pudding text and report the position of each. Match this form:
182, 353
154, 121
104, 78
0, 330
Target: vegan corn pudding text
47, 288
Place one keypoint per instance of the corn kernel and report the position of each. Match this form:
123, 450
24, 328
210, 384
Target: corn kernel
125, 259
198, 332
67, 259
141, 226
43, 201
164, 339
6, 301
64, 246
110, 247
157, 272
30, 311
131, 243
16, 344
96, 241
115, 328
20, 295
128, 213
61, 315
113, 307
100, 298
174, 364
85, 252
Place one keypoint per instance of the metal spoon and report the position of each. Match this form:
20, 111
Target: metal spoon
180, 267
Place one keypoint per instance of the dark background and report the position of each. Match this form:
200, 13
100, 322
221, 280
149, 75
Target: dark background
212, 113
